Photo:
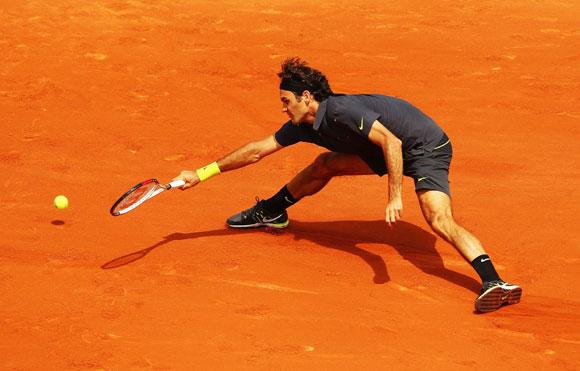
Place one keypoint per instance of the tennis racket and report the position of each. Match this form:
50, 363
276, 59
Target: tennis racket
141, 193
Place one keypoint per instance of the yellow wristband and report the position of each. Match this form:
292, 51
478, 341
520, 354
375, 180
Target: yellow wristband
208, 171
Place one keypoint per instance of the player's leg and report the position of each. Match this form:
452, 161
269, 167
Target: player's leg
437, 210
272, 212
326, 166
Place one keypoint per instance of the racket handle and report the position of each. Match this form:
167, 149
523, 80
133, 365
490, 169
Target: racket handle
175, 184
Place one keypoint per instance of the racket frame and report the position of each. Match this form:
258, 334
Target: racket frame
157, 189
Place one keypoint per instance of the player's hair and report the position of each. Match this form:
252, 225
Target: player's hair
314, 81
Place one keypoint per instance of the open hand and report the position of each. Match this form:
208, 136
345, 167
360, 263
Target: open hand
394, 211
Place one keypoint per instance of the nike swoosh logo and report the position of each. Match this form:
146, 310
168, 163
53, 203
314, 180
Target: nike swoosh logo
287, 200
270, 220
423, 178
504, 297
484, 260
362, 122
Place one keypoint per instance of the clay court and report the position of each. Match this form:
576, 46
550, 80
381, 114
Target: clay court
97, 96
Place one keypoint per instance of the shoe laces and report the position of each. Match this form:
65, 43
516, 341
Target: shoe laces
489, 284
256, 211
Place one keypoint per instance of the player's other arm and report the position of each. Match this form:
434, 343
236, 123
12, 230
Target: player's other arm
243, 156
393, 152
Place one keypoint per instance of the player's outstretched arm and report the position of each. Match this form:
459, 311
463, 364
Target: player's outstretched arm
393, 152
249, 154
243, 156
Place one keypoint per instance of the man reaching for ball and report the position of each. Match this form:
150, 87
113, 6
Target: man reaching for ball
365, 134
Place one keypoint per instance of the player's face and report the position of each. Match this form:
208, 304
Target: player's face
296, 109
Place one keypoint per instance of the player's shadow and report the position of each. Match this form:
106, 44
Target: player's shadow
413, 243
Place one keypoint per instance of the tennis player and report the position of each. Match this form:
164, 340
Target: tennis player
365, 134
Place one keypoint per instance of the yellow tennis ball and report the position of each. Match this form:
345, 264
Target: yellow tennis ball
61, 202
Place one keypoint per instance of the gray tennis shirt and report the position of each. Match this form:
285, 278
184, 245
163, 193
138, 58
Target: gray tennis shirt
343, 124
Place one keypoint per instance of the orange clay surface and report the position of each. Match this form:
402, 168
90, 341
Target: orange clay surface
96, 96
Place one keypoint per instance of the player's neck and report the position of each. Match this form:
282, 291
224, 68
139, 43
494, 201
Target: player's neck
310, 117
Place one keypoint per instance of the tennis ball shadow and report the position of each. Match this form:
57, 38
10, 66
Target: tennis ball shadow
57, 222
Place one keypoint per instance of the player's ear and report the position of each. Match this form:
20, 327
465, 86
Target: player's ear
307, 96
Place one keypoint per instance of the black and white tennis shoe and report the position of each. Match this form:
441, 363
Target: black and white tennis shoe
258, 216
494, 294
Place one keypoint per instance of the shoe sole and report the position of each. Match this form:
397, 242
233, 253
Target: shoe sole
258, 225
497, 296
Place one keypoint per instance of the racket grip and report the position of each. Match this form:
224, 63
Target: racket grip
175, 184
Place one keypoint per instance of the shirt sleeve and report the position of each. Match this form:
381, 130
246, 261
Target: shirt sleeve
290, 134
352, 115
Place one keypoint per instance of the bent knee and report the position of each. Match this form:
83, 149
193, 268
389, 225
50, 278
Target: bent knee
441, 221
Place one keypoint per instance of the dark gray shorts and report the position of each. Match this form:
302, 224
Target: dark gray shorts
430, 170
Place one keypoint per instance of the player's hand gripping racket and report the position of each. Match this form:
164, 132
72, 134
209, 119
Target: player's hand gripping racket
141, 193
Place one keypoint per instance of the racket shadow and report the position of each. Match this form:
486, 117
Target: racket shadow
137, 255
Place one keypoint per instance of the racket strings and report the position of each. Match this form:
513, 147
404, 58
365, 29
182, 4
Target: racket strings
136, 197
